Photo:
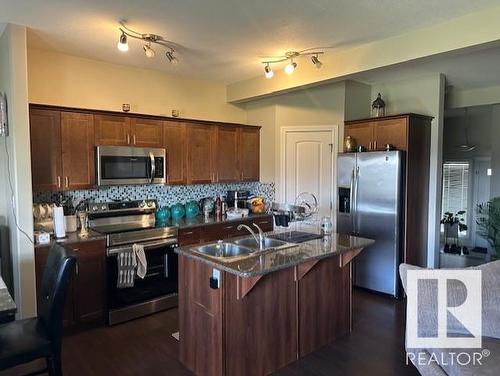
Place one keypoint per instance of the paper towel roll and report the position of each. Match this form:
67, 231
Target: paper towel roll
58, 216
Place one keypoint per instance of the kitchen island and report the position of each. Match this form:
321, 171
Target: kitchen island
252, 314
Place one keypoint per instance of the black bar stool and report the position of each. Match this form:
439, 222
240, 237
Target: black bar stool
23, 341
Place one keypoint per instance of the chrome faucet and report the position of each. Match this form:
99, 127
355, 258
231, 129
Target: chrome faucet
259, 239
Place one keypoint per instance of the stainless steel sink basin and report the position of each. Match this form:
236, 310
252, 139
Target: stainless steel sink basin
268, 243
224, 250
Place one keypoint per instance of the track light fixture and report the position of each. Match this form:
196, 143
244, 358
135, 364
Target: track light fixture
316, 61
268, 71
149, 39
122, 43
289, 57
148, 51
290, 67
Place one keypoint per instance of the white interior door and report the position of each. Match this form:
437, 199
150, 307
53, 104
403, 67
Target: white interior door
308, 164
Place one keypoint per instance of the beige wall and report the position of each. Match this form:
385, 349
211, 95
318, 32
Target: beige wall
60, 79
424, 95
13, 81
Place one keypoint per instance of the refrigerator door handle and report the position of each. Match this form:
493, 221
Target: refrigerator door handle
351, 201
356, 229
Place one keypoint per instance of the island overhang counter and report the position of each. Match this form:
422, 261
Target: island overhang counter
252, 315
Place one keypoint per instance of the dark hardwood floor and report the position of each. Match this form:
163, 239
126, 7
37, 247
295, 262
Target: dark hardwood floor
146, 347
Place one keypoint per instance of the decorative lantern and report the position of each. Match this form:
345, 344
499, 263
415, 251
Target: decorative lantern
378, 107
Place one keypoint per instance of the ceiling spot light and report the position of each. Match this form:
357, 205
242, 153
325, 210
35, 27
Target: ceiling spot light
171, 58
268, 71
290, 68
122, 43
148, 51
316, 61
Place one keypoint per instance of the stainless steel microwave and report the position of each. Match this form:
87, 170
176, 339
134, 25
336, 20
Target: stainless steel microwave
119, 165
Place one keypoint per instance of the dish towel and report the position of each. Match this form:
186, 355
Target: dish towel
140, 260
126, 269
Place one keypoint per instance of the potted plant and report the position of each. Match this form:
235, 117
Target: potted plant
453, 224
488, 223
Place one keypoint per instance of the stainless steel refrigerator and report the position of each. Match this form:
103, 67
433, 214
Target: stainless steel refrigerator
370, 205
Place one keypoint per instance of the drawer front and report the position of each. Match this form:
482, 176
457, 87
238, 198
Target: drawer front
189, 236
265, 223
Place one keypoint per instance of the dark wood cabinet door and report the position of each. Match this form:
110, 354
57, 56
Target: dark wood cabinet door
46, 161
324, 313
174, 142
146, 132
77, 135
41, 255
200, 152
362, 133
391, 131
112, 130
90, 289
249, 154
226, 154
200, 319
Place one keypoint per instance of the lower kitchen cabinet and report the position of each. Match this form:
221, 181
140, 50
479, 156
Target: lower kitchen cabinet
86, 297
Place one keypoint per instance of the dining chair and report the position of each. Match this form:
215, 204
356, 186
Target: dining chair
23, 341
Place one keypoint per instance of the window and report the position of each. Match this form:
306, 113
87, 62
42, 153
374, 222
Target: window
456, 189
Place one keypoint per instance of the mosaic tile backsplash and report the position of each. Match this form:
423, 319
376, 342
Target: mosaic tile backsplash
166, 195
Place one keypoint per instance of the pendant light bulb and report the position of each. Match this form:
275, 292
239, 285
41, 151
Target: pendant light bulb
316, 61
290, 68
268, 71
122, 43
148, 51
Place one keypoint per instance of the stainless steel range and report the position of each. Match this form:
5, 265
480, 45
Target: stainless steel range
127, 223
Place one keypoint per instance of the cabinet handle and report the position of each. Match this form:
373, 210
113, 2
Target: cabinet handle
228, 227
58, 182
128, 139
76, 268
66, 181
188, 233
370, 146
168, 179
375, 145
134, 139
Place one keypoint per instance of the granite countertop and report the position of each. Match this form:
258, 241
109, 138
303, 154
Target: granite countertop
202, 221
273, 260
7, 305
73, 237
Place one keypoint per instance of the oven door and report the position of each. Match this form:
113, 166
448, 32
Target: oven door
161, 278
130, 165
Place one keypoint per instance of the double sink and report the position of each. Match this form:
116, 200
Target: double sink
240, 247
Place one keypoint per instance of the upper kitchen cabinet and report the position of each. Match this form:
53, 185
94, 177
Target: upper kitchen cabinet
249, 153
77, 140
200, 153
62, 150
175, 143
46, 156
375, 133
146, 132
112, 130
226, 154
361, 132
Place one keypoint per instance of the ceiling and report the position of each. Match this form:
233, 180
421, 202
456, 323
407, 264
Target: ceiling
222, 39
463, 70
